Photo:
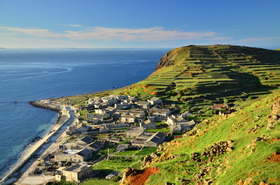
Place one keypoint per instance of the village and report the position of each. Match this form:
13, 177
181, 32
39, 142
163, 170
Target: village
116, 120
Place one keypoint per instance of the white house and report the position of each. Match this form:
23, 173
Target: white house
155, 101
144, 104
127, 119
160, 114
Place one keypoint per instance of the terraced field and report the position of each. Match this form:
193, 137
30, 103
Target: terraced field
193, 73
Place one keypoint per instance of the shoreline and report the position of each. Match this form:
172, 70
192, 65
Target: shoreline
26, 160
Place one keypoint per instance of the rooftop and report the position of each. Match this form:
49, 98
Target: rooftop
79, 167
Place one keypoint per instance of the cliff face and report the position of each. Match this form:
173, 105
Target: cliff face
166, 60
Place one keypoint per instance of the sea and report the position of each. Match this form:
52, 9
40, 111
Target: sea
33, 74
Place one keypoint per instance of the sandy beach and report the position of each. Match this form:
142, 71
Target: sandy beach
35, 150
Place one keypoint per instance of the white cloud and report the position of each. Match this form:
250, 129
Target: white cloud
75, 25
154, 34
30, 31
258, 39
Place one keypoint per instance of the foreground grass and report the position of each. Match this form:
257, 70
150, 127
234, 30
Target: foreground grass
99, 182
247, 160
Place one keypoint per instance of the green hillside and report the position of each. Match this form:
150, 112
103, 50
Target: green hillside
226, 150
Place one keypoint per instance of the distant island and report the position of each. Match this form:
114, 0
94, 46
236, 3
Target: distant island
206, 115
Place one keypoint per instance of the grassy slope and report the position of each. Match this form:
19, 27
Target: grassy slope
243, 162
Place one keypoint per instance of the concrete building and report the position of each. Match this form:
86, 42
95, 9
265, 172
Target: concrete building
160, 114
74, 156
155, 101
144, 104
78, 173
127, 119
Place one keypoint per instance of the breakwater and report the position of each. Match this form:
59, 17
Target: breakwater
47, 104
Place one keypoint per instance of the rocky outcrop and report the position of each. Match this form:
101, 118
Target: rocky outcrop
249, 180
274, 117
275, 109
253, 144
218, 148
149, 159
255, 128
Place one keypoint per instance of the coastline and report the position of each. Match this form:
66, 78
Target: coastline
38, 148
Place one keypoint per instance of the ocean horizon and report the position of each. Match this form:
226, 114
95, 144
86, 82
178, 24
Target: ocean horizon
27, 75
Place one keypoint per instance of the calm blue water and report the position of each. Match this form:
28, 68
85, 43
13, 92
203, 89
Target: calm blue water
27, 75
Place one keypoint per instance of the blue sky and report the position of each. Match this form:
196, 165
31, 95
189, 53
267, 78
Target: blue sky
138, 23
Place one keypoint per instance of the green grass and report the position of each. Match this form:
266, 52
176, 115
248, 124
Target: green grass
164, 130
143, 152
99, 182
110, 147
117, 165
240, 164
146, 151
160, 123
127, 153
